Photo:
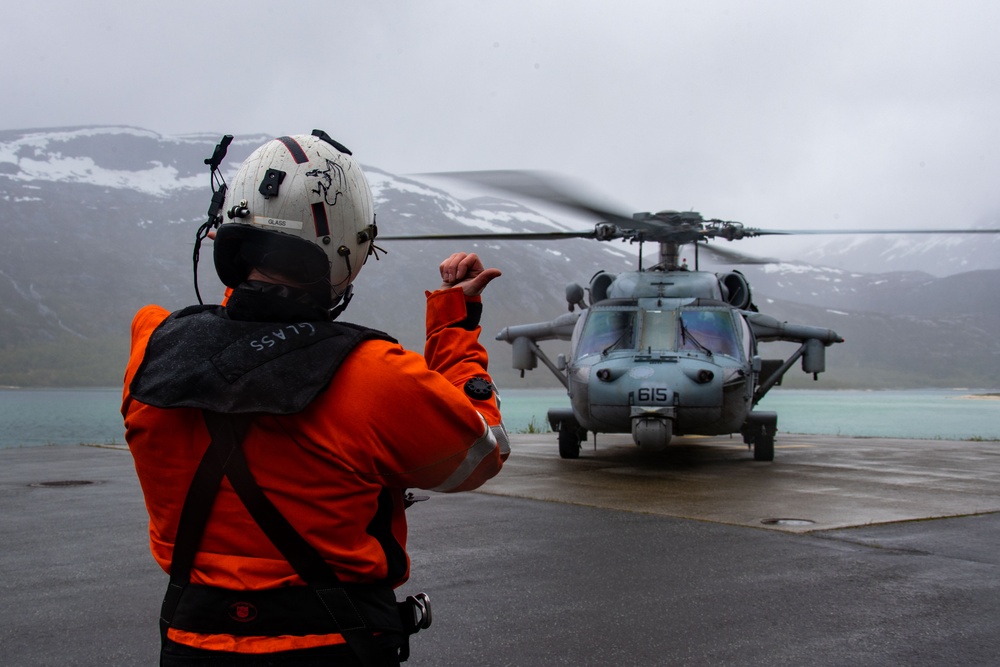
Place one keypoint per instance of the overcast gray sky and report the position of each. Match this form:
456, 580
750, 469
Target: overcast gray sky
779, 113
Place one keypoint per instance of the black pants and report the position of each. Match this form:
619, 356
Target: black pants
179, 655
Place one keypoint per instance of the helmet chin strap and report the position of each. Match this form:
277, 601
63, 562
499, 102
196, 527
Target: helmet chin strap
342, 303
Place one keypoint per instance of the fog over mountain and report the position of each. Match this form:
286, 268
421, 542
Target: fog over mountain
99, 221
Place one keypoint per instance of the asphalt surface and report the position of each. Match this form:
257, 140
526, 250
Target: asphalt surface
841, 552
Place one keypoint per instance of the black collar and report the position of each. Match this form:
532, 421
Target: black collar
258, 301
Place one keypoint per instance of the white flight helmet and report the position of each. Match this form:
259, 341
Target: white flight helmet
299, 206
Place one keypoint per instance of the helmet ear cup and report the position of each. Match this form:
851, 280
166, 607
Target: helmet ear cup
226, 252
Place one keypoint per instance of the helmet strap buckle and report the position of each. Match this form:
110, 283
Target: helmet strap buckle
343, 302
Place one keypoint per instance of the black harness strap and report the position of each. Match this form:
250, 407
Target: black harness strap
224, 457
194, 517
301, 555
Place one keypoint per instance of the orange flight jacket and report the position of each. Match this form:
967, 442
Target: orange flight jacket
390, 419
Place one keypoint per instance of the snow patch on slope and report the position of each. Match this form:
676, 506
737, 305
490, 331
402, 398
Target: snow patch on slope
36, 157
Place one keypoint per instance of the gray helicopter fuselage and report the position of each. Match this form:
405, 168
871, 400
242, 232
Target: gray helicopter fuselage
684, 361
660, 353
680, 284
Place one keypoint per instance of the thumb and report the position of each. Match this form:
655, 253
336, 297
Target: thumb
476, 285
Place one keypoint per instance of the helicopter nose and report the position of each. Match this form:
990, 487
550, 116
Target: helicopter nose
652, 428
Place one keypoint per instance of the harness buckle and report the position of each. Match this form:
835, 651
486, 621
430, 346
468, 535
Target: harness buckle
419, 612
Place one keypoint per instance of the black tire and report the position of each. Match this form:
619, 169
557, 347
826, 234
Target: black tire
763, 445
569, 441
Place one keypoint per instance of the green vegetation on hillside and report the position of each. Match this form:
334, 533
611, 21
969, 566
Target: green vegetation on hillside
67, 362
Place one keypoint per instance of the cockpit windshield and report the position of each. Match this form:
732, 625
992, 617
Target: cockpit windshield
709, 331
659, 330
607, 330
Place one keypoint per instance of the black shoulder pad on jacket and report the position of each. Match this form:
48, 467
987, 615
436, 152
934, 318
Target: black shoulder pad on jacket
199, 358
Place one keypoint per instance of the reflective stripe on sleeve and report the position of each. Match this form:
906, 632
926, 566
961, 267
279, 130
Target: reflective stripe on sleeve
479, 450
500, 433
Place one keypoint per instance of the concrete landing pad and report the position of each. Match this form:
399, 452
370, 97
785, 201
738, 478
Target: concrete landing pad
814, 482
616, 558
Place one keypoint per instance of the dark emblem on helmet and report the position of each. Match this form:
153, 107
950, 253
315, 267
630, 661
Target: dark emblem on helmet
330, 182
243, 612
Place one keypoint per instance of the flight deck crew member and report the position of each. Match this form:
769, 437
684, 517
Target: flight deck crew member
274, 445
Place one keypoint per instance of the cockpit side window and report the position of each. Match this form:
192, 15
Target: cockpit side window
709, 331
607, 330
747, 337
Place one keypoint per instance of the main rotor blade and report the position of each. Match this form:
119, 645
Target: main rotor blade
498, 236
537, 185
790, 232
733, 257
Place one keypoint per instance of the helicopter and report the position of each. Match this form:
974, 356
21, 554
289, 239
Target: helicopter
667, 350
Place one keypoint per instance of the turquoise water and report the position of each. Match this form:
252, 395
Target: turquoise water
933, 414
32, 417
930, 414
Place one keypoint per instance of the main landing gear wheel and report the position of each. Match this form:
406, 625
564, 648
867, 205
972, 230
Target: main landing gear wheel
569, 441
758, 432
763, 445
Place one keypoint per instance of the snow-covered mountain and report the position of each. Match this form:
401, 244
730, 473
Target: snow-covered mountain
124, 158
936, 254
98, 221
